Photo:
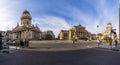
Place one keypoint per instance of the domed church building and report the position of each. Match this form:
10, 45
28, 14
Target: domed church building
108, 30
26, 31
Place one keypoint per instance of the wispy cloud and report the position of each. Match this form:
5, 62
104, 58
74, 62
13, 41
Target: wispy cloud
81, 17
7, 18
51, 23
106, 12
51, 15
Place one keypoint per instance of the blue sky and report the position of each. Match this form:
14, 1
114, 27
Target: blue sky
61, 14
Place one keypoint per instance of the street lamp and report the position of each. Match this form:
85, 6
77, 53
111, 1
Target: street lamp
97, 35
97, 31
7, 40
16, 40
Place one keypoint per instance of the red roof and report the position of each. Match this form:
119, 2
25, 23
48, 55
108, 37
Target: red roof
99, 34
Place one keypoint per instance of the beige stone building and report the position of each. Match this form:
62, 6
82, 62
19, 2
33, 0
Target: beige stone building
99, 36
47, 35
64, 35
108, 30
76, 32
26, 31
93, 37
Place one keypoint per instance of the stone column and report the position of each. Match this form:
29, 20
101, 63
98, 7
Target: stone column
70, 35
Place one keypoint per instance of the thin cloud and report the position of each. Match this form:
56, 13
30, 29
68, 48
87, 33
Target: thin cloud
7, 17
51, 23
106, 13
62, 17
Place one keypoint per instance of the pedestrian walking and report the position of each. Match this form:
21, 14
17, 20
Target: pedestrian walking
99, 42
74, 40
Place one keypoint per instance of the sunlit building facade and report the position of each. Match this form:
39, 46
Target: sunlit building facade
26, 31
110, 32
47, 35
76, 32
107, 32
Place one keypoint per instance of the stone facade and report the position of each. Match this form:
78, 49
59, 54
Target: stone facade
93, 37
26, 31
64, 35
108, 32
47, 35
100, 36
78, 32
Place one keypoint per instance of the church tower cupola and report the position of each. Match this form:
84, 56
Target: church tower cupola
109, 26
26, 18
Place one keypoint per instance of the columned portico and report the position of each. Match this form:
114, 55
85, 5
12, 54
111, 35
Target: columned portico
26, 31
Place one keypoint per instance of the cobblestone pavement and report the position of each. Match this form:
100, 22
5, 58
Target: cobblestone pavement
81, 53
90, 56
106, 46
60, 45
11, 49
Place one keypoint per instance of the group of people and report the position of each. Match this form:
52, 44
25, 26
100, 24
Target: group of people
110, 43
24, 43
99, 42
75, 40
